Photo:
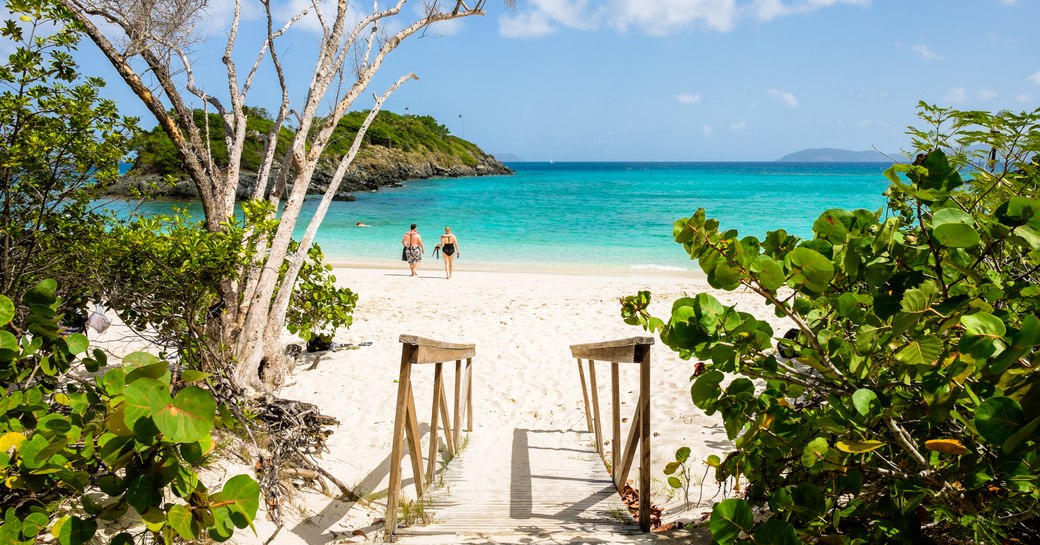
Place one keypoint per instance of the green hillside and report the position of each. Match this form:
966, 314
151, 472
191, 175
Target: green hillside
421, 134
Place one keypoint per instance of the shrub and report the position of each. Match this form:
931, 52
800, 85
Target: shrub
909, 408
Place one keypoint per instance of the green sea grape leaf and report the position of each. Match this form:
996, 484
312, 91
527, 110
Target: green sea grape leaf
189, 417
1026, 432
144, 397
179, 518
998, 419
728, 519
831, 227
143, 493
983, 336
240, 496
6, 310
951, 215
138, 359
815, 452
670, 467
191, 375
1025, 339
674, 482
682, 454
983, 324
809, 269
862, 399
74, 530
33, 524
77, 343
776, 532
770, 273
956, 235
920, 351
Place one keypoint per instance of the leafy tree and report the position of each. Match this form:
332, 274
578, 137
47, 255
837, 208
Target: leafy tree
58, 142
77, 450
156, 43
908, 406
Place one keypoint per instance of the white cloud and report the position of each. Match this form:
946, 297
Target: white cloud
1009, 2
787, 98
986, 94
737, 126
925, 52
1024, 97
656, 18
1035, 78
664, 17
865, 123
956, 95
525, 25
767, 10
688, 99
707, 130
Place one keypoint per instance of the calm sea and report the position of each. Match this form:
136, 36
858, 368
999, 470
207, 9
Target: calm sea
611, 215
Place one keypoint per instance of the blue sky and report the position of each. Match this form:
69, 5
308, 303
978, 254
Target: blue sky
684, 80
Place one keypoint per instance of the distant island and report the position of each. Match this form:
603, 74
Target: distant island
508, 157
835, 155
396, 148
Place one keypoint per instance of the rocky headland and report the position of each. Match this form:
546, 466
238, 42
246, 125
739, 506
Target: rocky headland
374, 167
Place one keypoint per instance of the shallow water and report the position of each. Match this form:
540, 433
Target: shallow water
571, 215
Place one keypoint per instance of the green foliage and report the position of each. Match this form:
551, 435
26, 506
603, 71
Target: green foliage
59, 141
76, 452
678, 473
411, 133
909, 405
162, 274
157, 154
318, 307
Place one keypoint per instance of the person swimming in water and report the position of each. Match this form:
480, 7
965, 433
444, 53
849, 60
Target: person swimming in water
449, 247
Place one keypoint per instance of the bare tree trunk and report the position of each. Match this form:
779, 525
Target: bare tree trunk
157, 41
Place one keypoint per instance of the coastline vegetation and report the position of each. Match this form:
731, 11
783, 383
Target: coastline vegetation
156, 154
904, 406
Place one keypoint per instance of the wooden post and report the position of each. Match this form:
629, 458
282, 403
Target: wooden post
585, 394
469, 394
644, 440
435, 414
456, 421
595, 408
633, 350
400, 414
417, 350
414, 448
615, 424
449, 436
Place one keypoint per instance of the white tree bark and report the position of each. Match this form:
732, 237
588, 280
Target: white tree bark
153, 37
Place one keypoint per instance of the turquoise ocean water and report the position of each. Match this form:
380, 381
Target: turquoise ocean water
610, 215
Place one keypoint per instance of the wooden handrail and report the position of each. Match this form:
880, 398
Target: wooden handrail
631, 350
420, 350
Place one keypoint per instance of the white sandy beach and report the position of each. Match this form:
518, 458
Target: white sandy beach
522, 325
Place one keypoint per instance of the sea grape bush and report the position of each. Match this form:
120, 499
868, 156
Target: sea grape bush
908, 411
79, 450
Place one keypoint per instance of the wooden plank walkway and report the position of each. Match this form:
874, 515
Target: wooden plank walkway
524, 486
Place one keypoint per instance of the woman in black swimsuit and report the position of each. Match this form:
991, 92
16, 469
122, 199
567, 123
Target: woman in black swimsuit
450, 247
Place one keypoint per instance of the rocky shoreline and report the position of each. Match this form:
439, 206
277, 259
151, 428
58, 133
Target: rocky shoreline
373, 168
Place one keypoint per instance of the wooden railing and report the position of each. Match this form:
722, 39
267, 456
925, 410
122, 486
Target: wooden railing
633, 350
418, 350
